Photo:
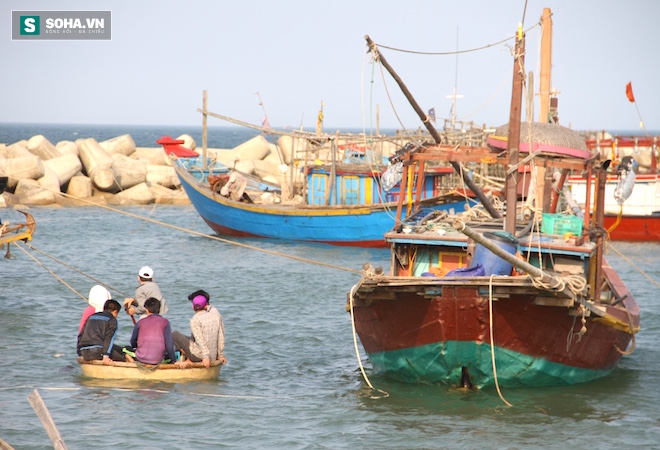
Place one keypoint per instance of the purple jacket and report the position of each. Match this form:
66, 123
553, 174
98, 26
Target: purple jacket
152, 340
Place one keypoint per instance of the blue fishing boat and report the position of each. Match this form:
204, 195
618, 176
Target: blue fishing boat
343, 206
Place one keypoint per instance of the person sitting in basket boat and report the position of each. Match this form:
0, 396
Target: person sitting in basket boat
207, 342
152, 337
147, 288
96, 341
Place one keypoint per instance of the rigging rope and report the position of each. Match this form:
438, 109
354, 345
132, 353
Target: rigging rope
415, 52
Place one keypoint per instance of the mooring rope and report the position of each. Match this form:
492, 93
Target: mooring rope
492, 342
216, 238
31, 247
51, 272
609, 246
357, 350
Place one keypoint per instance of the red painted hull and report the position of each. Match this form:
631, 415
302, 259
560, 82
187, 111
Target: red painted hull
461, 314
634, 228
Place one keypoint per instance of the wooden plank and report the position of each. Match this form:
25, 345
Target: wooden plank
42, 412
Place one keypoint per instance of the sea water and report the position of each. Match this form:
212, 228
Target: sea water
292, 379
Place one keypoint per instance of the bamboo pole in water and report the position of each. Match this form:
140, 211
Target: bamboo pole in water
42, 412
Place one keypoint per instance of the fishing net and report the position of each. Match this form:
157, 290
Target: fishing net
548, 134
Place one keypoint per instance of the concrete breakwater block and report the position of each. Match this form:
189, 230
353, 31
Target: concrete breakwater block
128, 171
64, 167
67, 147
21, 168
29, 192
50, 181
163, 176
137, 195
19, 150
123, 144
151, 155
98, 165
255, 148
292, 146
80, 186
188, 141
165, 196
40, 146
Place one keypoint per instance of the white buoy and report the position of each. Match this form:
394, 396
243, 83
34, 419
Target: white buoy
40, 146
64, 167
123, 144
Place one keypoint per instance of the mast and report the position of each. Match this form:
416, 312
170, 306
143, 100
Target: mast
514, 130
433, 132
546, 66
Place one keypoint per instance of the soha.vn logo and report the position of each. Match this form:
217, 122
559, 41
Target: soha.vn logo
30, 25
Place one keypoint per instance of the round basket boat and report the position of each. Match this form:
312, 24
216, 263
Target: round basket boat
163, 372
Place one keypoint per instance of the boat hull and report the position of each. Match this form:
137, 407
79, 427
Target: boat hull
427, 333
633, 228
164, 372
361, 226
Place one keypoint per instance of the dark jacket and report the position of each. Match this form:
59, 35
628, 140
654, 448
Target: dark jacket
99, 331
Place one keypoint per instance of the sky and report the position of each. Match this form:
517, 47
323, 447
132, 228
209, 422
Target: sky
298, 55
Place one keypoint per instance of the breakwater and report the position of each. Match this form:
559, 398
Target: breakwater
114, 171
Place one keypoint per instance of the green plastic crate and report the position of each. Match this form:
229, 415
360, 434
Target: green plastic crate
561, 224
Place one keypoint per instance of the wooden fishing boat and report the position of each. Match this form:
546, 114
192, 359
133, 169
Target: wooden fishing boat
499, 301
638, 217
360, 222
117, 370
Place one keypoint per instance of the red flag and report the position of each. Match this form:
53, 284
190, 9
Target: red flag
629, 92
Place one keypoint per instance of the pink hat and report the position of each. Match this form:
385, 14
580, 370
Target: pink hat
199, 302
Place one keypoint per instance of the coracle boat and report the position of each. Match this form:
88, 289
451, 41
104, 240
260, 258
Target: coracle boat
474, 301
117, 370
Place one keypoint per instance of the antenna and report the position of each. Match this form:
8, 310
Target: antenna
454, 96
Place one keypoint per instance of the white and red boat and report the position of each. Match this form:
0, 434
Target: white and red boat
638, 217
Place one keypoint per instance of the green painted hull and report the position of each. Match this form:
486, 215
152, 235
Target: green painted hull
442, 362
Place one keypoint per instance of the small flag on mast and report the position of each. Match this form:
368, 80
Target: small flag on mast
629, 92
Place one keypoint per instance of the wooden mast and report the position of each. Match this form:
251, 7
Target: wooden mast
514, 130
546, 66
433, 132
